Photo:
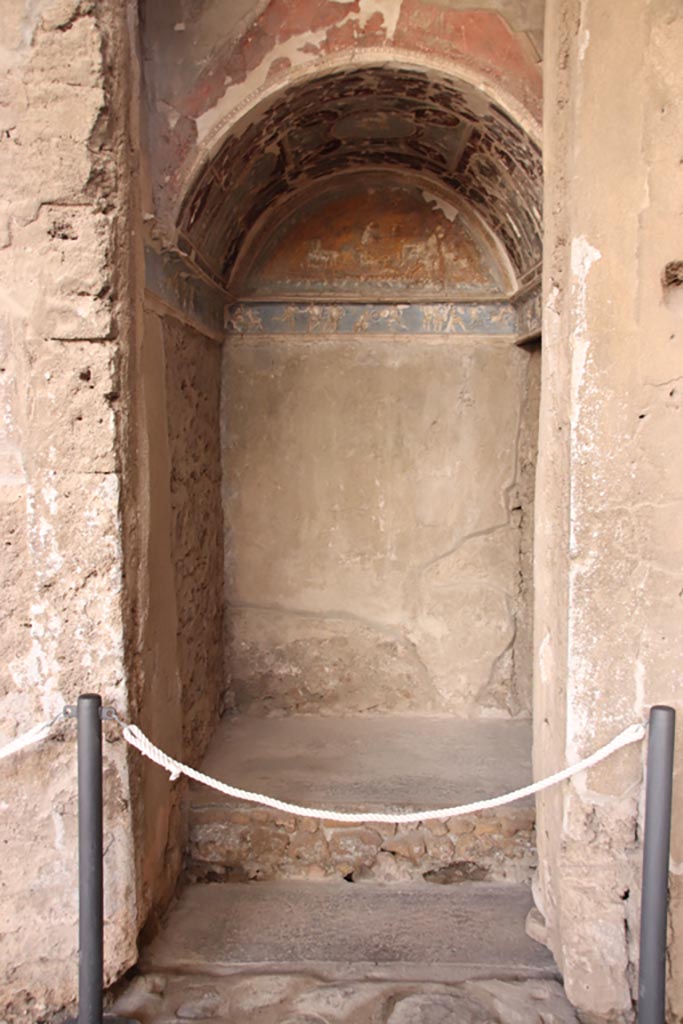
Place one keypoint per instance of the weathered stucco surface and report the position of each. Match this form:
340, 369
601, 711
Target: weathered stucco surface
61, 251
338, 567
608, 540
373, 523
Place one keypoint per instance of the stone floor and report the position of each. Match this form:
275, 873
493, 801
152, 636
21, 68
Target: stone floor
290, 921
364, 764
340, 953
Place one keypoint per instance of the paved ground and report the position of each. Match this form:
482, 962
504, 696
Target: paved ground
455, 928
340, 953
369, 761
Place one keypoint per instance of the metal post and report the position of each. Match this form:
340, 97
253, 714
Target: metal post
653, 909
89, 714
90, 898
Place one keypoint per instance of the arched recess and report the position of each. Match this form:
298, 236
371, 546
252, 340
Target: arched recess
391, 202
390, 115
345, 293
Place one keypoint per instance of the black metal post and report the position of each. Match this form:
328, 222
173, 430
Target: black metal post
653, 909
89, 714
90, 881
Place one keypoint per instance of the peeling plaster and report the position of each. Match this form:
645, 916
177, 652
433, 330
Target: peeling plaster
417, 122
389, 9
258, 88
449, 211
240, 95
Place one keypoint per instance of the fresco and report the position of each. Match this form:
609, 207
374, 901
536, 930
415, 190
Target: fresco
368, 118
367, 237
168, 277
265, 318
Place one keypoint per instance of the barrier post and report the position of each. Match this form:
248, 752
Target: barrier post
653, 908
90, 856
89, 714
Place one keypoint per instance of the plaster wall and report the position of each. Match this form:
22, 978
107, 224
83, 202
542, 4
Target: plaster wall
205, 67
608, 532
62, 281
110, 453
374, 499
106, 400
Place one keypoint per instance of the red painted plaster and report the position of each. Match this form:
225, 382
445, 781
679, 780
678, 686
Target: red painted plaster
481, 39
352, 34
283, 19
280, 21
278, 67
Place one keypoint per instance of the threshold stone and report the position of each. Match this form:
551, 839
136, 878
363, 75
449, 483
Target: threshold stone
369, 763
471, 930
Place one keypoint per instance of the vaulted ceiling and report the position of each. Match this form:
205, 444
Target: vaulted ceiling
387, 117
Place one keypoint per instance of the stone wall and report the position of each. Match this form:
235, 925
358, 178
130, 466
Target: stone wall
247, 843
193, 376
173, 529
375, 490
63, 267
105, 451
609, 615
96, 486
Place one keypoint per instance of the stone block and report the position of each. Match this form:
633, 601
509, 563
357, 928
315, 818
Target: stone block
440, 850
461, 825
436, 827
308, 848
429, 1008
409, 844
390, 868
351, 849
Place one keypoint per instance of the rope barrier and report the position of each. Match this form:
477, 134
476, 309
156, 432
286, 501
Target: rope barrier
27, 739
137, 739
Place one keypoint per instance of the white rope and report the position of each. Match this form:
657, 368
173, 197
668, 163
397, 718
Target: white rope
137, 739
34, 735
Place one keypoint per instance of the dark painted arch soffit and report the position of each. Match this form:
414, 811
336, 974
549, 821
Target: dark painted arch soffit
391, 118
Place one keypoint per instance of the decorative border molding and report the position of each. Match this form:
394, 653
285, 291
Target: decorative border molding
321, 318
169, 277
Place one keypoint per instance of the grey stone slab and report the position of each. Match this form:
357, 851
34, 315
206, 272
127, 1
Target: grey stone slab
473, 929
369, 761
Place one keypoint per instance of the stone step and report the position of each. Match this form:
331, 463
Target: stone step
364, 764
412, 931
